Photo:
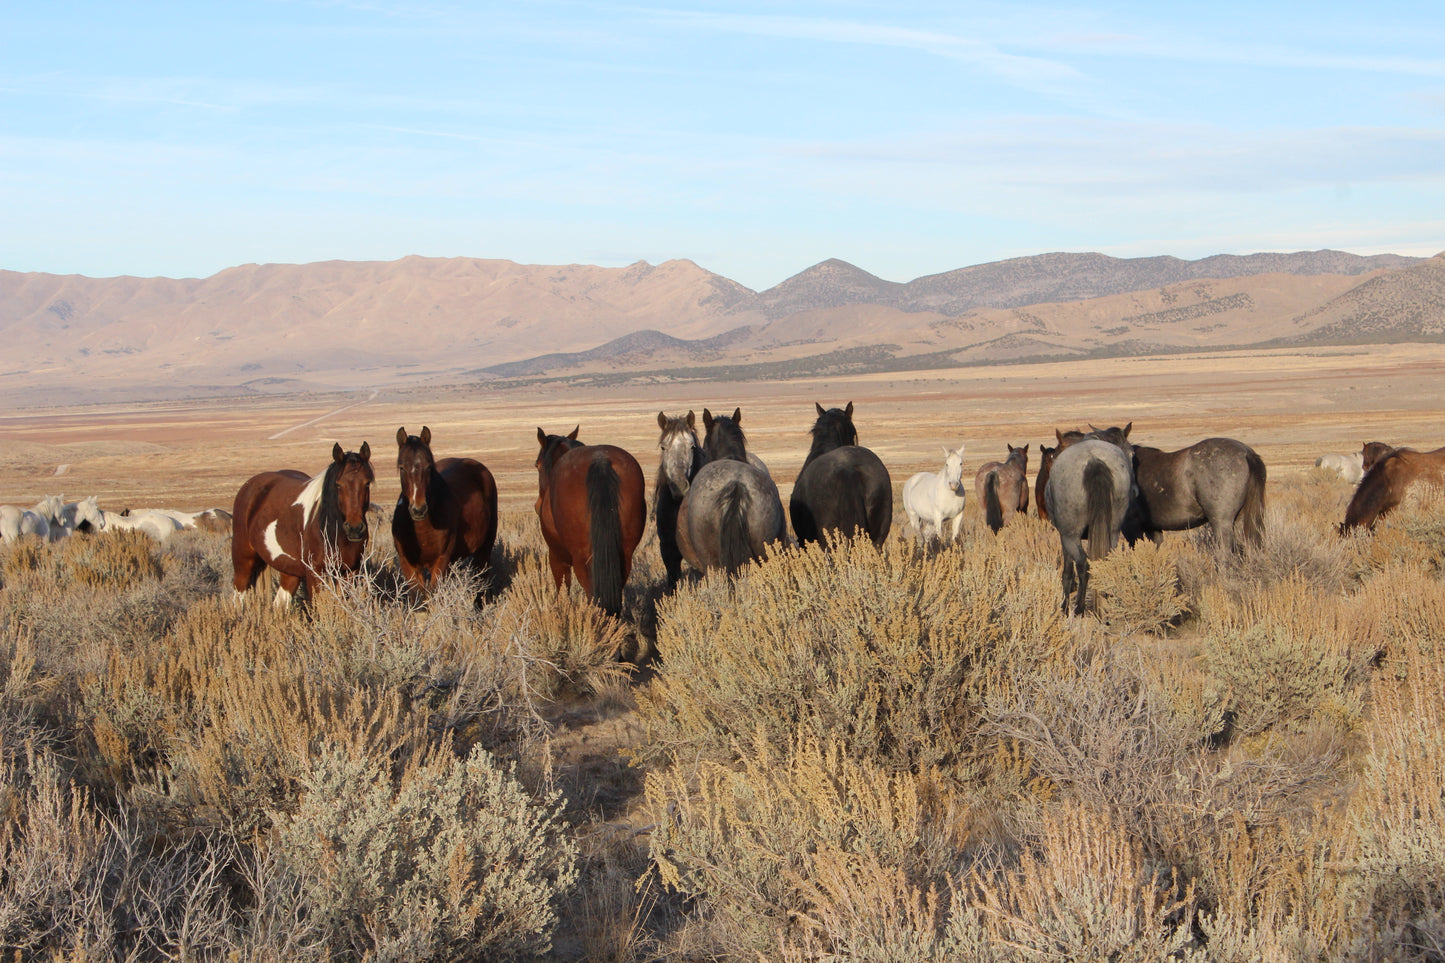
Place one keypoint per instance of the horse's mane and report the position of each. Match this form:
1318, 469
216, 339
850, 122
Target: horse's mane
833, 429
726, 440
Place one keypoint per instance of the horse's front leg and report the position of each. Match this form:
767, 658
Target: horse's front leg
957, 524
286, 594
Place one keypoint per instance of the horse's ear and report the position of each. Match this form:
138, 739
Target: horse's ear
819, 407
1126, 429
707, 419
1026, 448
572, 435
946, 452
401, 436
1058, 436
365, 452
426, 436
336, 453
662, 420
541, 438
691, 419
849, 410
738, 417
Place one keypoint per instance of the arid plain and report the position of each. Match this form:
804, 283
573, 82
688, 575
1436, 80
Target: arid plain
1290, 405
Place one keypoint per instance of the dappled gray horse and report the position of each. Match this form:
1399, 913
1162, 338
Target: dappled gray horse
1089, 491
732, 511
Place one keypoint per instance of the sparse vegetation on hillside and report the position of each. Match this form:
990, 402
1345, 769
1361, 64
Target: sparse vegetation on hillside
896, 754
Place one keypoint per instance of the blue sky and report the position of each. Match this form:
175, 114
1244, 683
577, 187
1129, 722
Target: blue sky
753, 138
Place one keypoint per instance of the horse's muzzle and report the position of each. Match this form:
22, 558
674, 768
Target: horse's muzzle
417, 512
355, 533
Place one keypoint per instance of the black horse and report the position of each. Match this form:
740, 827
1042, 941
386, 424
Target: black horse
842, 488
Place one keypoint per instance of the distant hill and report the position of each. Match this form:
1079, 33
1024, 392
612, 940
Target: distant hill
336, 324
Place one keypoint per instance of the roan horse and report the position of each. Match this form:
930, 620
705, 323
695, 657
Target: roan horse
842, 487
1089, 490
1004, 486
932, 498
592, 506
682, 457
732, 511
1384, 485
446, 513
306, 528
1217, 480
1046, 465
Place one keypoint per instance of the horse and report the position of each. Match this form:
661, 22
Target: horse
842, 487
17, 522
1349, 467
1090, 490
732, 511
52, 509
1004, 486
306, 528
1371, 452
932, 498
446, 513
1384, 485
592, 507
86, 515
158, 523
682, 456
1217, 480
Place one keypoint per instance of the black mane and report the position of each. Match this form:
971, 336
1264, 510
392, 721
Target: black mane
833, 429
725, 439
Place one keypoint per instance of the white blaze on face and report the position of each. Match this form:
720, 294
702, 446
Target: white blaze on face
273, 544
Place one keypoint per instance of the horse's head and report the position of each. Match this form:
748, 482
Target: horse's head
1116, 436
552, 448
1046, 456
679, 446
86, 515
1372, 452
1020, 457
724, 436
416, 465
347, 493
833, 429
953, 468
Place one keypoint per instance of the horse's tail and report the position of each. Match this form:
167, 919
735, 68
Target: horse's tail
992, 507
735, 547
1099, 495
1252, 512
605, 517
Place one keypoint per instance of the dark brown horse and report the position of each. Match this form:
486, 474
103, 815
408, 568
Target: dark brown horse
682, 456
1371, 452
306, 528
592, 506
1003, 486
842, 488
1218, 480
447, 513
1384, 485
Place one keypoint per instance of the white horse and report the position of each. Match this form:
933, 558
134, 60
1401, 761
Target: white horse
52, 509
15, 522
1350, 467
932, 498
158, 524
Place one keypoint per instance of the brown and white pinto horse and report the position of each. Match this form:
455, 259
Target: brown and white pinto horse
592, 506
446, 514
1003, 486
1384, 485
306, 528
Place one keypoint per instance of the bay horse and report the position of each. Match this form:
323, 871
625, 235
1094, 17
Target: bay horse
682, 456
592, 507
932, 498
842, 487
1218, 480
305, 527
1384, 485
1004, 486
732, 511
446, 514
1371, 452
1089, 490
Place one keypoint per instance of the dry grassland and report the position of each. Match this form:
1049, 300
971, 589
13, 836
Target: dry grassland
906, 754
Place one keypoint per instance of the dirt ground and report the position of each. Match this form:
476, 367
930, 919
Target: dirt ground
1291, 406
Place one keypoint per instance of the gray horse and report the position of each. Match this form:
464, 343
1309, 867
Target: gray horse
1090, 488
1218, 480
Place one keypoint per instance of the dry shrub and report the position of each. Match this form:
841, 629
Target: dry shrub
453, 859
757, 845
1412, 535
1287, 655
890, 653
1138, 588
113, 558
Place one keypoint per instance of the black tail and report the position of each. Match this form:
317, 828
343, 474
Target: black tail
606, 525
992, 509
1252, 513
1099, 490
735, 548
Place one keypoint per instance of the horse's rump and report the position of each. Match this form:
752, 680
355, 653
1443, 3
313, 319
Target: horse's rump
844, 490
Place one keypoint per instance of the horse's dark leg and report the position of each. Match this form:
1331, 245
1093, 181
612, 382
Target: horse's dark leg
1083, 590
1067, 577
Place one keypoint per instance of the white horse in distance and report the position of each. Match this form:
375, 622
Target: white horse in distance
932, 498
15, 522
1350, 467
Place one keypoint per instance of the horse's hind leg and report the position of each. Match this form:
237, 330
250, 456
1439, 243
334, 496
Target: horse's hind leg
957, 524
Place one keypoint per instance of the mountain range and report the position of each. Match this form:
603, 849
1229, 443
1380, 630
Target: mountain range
342, 324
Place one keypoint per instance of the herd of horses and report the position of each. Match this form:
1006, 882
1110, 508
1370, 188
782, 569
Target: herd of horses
716, 505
